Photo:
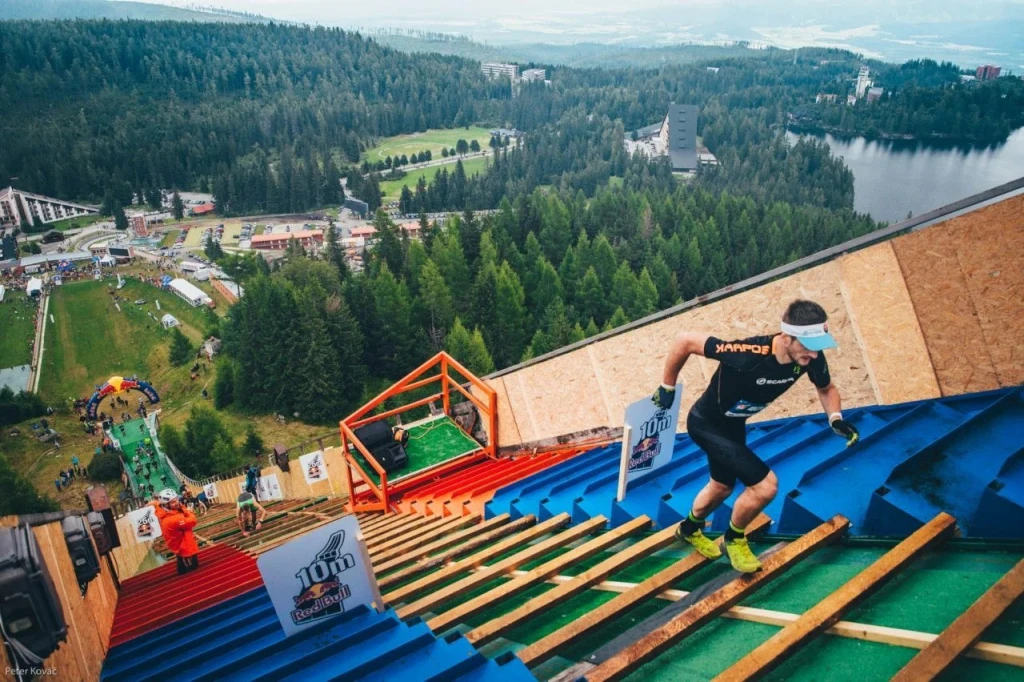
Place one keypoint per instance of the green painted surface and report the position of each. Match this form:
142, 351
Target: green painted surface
134, 436
926, 597
429, 443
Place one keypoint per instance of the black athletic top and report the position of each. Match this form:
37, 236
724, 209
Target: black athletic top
749, 377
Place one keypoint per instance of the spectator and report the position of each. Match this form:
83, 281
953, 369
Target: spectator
176, 524
252, 477
57, 482
75, 463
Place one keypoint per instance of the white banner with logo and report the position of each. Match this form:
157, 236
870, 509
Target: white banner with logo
267, 488
145, 525
648, 438
320, 575
314, 468
211, 490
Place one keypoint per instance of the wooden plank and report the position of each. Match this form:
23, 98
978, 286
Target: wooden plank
474, 561
535, 551
257, 549
383, 553
474, 606
414, 524
912, 639
379, 520
787, 641
385, 562
550, 645
967, 629
385, 523
573, 586
681, 625
478, 541
408, 534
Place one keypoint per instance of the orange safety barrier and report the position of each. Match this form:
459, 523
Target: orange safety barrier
488, 407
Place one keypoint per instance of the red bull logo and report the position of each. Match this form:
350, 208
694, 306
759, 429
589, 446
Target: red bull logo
323, 594
643, 454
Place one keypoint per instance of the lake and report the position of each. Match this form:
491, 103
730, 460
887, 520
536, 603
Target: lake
891, 177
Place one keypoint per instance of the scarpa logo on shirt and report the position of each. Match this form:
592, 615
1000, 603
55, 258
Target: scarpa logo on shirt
755, 348
773, 382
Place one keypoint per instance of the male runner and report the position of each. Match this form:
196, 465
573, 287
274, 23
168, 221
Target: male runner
752, 373
249, 512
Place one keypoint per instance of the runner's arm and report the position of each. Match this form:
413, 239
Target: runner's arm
684, 345
830, 399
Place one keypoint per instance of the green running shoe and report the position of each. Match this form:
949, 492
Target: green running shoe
704, 545
743, 560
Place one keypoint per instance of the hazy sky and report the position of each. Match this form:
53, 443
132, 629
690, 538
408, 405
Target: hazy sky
965, 32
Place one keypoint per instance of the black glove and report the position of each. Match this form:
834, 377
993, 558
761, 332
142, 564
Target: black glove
846, 430
663, 397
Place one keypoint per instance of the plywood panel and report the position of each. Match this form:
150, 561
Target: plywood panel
81, 656
563, 392
519, 407
990, 250
508, 428
883, 316
947, 306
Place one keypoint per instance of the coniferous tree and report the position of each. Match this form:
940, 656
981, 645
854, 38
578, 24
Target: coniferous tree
590, 297
392, 337
511, 318
177, 206
120, 219
224, 385
436, 304
181, 349
469, 349
333, 252
617, 319
252, 447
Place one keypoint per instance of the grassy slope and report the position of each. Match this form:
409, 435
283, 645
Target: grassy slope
76, 222
392, 189
89, 342
434, 140
16, 330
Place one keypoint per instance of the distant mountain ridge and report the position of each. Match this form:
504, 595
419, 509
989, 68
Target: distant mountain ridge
11, 10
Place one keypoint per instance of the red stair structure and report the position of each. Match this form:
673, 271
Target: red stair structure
464, 486
161, 596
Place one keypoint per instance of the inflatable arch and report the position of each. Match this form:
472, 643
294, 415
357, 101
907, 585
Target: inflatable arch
117, 385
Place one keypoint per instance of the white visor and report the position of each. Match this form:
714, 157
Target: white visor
812, 336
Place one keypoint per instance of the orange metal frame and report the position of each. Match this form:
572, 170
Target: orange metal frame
488, 406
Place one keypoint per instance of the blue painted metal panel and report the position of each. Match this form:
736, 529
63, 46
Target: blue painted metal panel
962, 445
241, 640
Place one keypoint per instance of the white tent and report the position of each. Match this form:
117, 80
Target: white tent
34, 287
108, 260
191, 293
169, 321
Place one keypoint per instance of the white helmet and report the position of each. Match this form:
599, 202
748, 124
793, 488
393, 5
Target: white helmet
167, 495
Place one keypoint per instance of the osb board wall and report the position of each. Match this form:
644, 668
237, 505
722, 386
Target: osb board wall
88, 618
886, 327
966, 280
130, 555
293, 482
508, 428
592, 386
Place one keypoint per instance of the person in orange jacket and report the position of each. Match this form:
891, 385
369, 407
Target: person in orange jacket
176, 524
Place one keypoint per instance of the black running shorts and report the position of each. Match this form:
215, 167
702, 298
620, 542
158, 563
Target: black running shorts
724, 441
